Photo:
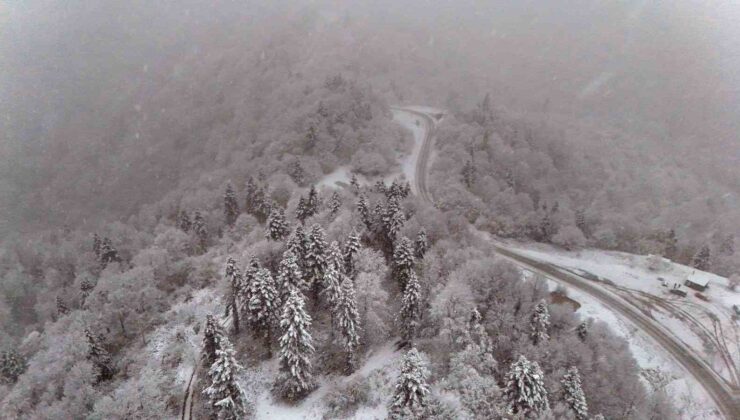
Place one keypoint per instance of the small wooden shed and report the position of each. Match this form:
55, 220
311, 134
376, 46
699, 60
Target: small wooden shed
697, 282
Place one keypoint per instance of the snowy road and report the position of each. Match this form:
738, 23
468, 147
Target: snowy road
726, 396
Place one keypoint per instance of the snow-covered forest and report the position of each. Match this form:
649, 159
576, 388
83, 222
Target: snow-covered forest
172, 248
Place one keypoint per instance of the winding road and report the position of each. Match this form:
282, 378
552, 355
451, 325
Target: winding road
725, 395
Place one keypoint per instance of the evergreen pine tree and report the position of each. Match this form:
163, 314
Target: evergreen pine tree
412, 390
524, 389
225, 396
582, 330
108, 253
350, 252
671, 245
97, 245
701, 260
248, 284
421, 244
348, 319
296, 348
581, 221
62, 309
231, 207
235, 279
289, 275
264, 306
354, 183
212, 335
99, 357
313, 203
403, 261
298, 245
335, 204
277, 227
332, 290
250, 205
184, 222
468, 174
200, 230
393, 219
302, 212
297, 173
364, 210
334, 257
573, 393
316, 258
547, 227
85, 288
410, 308
12, 365
540, 323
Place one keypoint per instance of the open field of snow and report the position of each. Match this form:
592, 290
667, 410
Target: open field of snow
704, 320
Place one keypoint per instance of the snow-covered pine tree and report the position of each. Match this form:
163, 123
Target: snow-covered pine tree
249, 196
540, 323
296, 348
200, 230
289, 275
351, 248
671, 244
184, 222
347, 319
313, 202
212, 335
331, 292
316, 259
231, 207
547, 227
302, 212
403, 261
421, 244
380, 187
364, 210
412, 390
99, 357
701, 260
393, 219
468, 173
354, 183
277, 226
12, 365
62, 308
296, 172
335, 204
226, 397
235, 279
108, 253
335, 257
97, 245
248, 283
85, 288
573, 393
580, 221
264, 306
477, 332
524, 389
582, 330
410, 308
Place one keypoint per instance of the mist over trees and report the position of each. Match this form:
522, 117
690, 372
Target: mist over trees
161, 204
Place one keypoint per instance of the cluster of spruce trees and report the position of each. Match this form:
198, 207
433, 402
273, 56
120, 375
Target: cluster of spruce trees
524, 392
312, 273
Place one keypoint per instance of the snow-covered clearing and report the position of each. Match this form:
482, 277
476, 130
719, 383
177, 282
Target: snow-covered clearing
703, 321
258, 380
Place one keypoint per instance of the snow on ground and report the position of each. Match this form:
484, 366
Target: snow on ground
341, 175
702, 320
258, 381
689, 397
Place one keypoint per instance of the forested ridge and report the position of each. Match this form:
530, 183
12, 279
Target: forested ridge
162, 211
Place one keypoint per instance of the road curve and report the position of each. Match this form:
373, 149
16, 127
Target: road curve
725, 396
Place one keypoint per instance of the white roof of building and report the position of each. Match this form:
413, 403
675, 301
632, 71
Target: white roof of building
698, 278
